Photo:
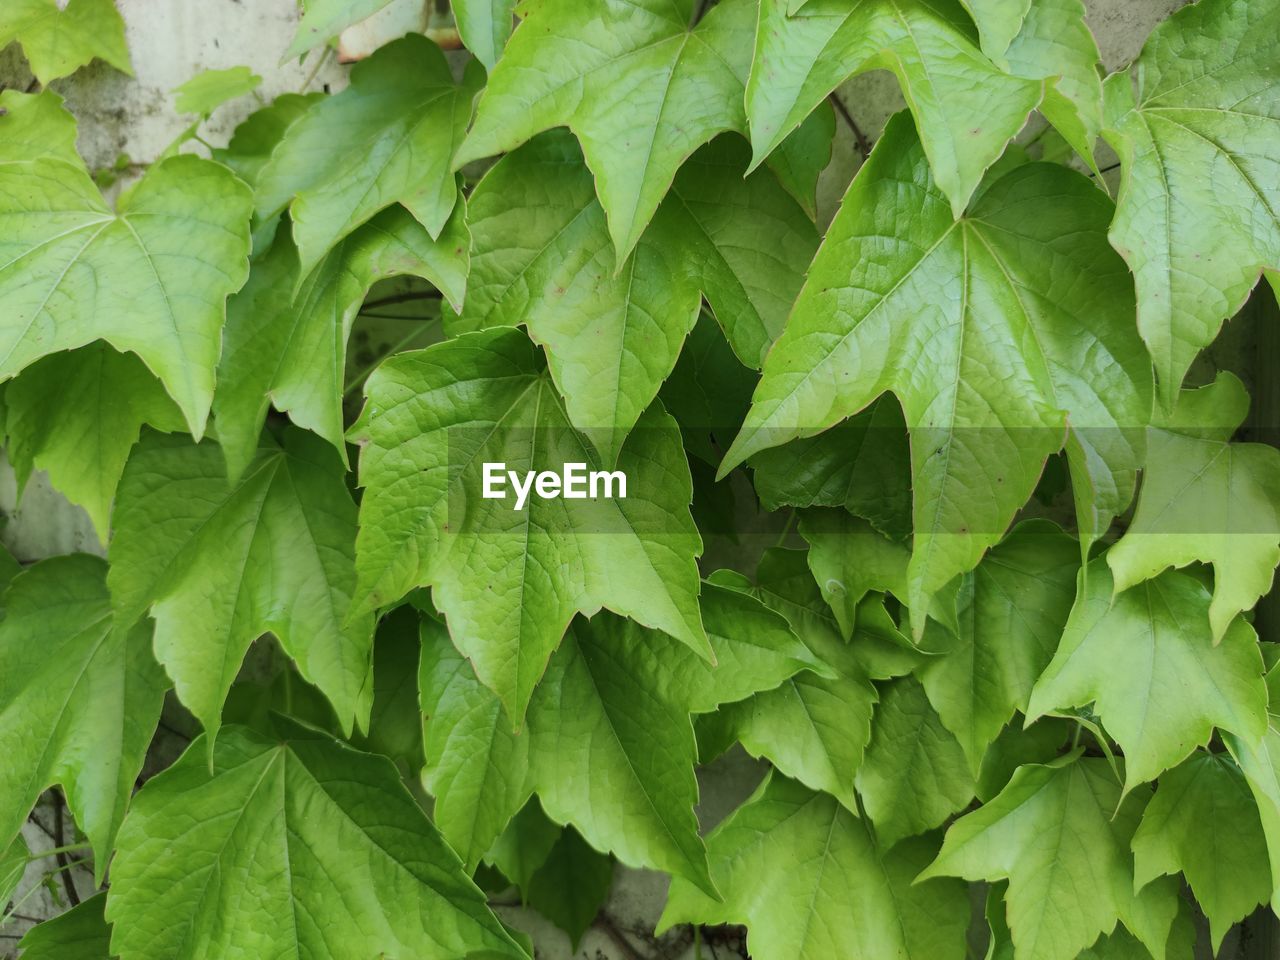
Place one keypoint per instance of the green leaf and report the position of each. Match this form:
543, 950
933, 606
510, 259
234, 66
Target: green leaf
572, 885
850, 559
395, 721
323, 20
217, 564
524, 846
998, 21
1260, 763
9, 568
13, 864
799, 160
36, 127
1055, 832
59, 39
76, 415
1203, 822
257, 135
999, 340
565, 66
965, 107
300, 846
1012, 611
80, 696
791, 864
79, 934
387, 138
914, 775
210, 89
1147, 662
286, 339
509, 581
1196, 123
484, 26
543, 259
151, 278
1206, 500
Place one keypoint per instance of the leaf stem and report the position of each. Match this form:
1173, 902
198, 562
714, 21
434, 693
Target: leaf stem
363, 374
786, 531
860, 138
56, 851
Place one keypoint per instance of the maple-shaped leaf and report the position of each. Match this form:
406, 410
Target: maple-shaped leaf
76, 415
1203, 823
542, 258
80, 696
285, 343
388, 138
1206, 500
291, 845
1196, 123
914, 775
210, 89
1146, 660
571, 62
60, 38
36, 127
79, 934
999, 340
1011, 612
323, 20
966, 108
151, 278
810, 882
1055, 831
258, 134
510, 580
217, 564
485, 26
998, 21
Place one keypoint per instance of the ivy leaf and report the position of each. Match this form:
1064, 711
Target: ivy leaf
13, 864
210, 89
388, 138
1196, 123
76, 415
799, 160
998, 340
790, 862
1147, 661
151, 278
79, 934
293, 826
1012, 611
485, 26
543, 259
1056, 830
323, 20
914, 775
510, 581
36, 127
998, 21
217, 564
850, 559
524, 845
80, 697
1203, 822
286, 339
965, 107
572, 885
59, 39
1260, 763
565, 66
1206, 500
9, 567
259, 133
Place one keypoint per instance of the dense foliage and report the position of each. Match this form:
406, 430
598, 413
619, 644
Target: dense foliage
1004, 640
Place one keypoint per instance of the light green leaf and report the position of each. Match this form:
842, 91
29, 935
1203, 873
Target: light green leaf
1196, 123
484, 26
799, 160
1055, 832
543, 259
509, 581
79, 934
13, 864
1012, 611
36, 127
217, 564
388, 138
999, 340
1203, 822
998, 21
299, 846
809, 881
566, 64
1206, 500
1147, 661
60, 38
524, 846
210, 89
572, 885
151, 278
80, 696
9, 567
286, 339
965, 107
849, 559
914, 775
395, 720
323, 20
76, 415
1260, 763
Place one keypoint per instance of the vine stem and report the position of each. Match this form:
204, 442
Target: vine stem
860, 138
67, 880
58, 851
363, 374
786, 531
